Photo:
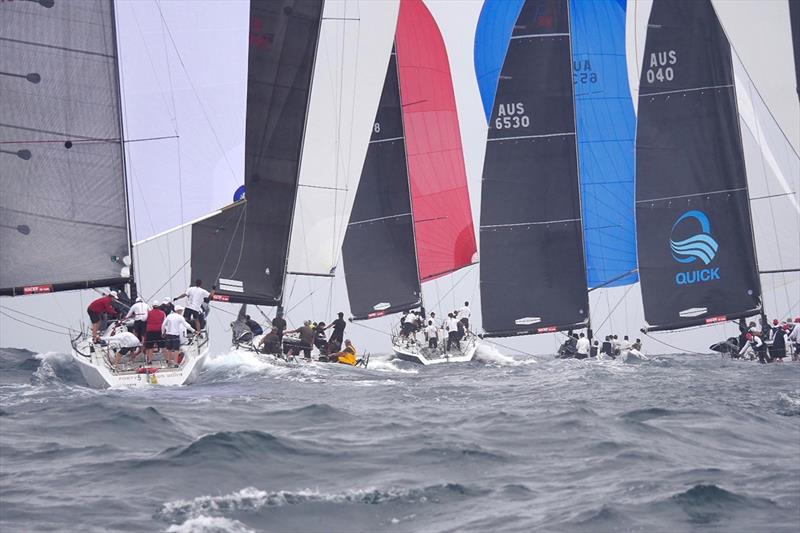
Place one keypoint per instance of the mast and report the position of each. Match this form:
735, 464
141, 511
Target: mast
118, 70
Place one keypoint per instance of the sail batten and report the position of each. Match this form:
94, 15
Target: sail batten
63, 217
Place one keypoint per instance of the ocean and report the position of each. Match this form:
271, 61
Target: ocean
504, 444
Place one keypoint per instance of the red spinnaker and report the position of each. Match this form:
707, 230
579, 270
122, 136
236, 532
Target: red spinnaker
439, 194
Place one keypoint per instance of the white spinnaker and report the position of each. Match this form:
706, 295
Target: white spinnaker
773, 179
354, 45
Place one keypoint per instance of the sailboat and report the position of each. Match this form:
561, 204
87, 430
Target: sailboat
311, 85
717, 205
411, 221
64, 216
533, 270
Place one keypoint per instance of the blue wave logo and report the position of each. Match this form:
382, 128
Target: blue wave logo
701, 246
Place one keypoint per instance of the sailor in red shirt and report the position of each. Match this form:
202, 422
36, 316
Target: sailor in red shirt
96, 310
155, 318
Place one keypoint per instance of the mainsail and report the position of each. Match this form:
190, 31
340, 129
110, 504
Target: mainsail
606, 134
533, 276
696, 254
63, 216
244, 249
445, 235
380, 260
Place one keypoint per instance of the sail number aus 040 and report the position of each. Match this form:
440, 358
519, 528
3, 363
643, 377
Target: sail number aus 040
511, 116
660, 66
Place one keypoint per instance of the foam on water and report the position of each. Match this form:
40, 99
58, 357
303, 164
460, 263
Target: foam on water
489, 353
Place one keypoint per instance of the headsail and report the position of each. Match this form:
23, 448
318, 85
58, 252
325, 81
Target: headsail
533, 277
283, 44
445, 234
696, 255
354, 44
606, 134
380, 260
63, 218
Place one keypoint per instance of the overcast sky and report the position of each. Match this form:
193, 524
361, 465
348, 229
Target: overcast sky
184, 75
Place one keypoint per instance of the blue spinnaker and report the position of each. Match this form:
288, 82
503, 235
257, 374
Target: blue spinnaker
606, 133
491, 44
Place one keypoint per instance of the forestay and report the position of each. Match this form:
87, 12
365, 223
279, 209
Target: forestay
354, 45
380, 261
533, 278
63, 219
696, 253
445, 234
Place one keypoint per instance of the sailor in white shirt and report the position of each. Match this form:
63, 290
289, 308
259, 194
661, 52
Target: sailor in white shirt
625, 345
582, 347
124, 342
173, 328
195, 296
138, 312
451, 324
432, 334
464, 314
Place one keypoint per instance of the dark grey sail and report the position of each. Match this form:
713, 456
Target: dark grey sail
380, 260
63, 219
696, 256
533, 274
247, 260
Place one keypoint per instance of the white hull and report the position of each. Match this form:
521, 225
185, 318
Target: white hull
93, 362
415, 351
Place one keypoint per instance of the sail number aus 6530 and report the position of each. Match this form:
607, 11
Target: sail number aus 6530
660, 66
511, 116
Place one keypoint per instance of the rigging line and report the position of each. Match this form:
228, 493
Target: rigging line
33, 325
230, 243
37, 318
612, 280
611, 312
306, 297
170, 279
196, 94
680, 350
452, 286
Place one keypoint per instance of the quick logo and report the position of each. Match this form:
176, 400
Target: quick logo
699, 247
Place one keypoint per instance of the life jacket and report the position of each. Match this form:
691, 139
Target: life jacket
348, 356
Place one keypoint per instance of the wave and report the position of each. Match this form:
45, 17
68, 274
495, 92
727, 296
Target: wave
489, 353
210, 524
252, 499
789, 403
710, 503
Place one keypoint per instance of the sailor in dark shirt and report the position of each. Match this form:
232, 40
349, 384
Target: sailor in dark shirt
253, 325
279, 323
338, 326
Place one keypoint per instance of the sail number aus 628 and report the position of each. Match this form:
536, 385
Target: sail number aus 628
511, 116
660, 66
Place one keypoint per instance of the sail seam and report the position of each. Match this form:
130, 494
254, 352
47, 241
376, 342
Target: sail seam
531, 223
378, 219
531, 136
386, 140
540, 35
691, 195
727, 86
54, 47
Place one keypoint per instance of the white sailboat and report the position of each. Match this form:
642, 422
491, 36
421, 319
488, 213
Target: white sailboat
65, 210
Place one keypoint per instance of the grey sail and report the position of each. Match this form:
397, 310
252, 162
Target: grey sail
380, 258
243, 249
697, 259
63, 219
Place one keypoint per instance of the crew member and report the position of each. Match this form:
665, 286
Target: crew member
253, 325
464, 314
155, 319
348, 355
306, 333
195, 296
432, 334
271, 342
451, 325
98, 308
338, 325
138, 312
279, 323
125, 343
582, 346
174, 327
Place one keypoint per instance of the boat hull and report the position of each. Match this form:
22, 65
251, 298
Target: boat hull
92, 360
415, 353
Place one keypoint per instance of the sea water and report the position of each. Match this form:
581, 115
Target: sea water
676, 443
